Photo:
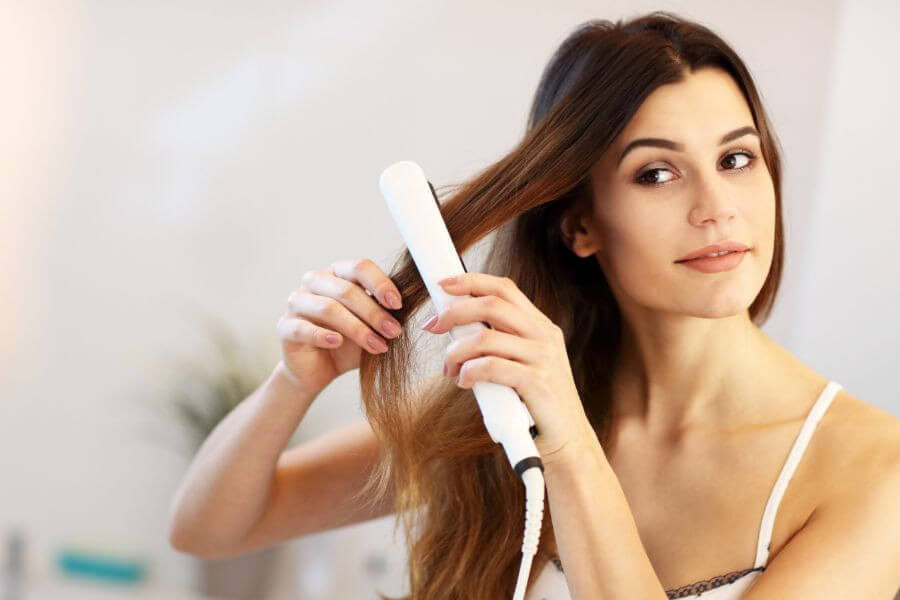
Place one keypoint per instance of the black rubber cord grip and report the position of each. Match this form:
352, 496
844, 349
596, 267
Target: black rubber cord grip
526, 463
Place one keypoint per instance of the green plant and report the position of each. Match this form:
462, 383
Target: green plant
203, 397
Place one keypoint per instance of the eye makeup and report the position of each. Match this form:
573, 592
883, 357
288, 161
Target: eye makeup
641, 177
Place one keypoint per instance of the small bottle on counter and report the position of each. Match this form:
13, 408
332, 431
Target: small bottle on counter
13, 565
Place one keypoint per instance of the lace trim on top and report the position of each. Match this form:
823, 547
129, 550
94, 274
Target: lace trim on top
693, 589
709, 584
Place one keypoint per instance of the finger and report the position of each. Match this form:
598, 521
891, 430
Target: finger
301, 331
489, 342
328, 312
370, 276
496, 311
354, 297
496, 370
483, 284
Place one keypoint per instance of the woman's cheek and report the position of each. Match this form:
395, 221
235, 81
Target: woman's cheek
638, 268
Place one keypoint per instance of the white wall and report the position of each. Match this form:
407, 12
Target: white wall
848, 282
164, 162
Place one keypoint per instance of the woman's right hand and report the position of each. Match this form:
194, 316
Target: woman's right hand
336, 304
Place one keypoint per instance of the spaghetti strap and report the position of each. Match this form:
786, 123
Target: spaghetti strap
764, 541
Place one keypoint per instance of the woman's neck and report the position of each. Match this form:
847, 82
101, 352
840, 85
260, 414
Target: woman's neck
676, 375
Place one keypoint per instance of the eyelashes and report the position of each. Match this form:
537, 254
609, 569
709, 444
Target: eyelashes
642, 177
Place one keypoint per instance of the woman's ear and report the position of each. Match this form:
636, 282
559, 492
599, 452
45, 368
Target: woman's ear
579, 235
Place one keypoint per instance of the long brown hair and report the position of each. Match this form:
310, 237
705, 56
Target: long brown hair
461, 505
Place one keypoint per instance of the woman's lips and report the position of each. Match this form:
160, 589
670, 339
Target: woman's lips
715, 264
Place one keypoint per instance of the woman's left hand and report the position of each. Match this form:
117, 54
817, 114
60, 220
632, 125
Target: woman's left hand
525, 351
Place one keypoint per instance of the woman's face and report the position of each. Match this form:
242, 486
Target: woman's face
659, 203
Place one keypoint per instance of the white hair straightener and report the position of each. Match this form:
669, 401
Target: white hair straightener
416, 211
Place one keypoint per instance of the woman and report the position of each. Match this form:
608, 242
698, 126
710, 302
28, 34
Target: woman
669, 423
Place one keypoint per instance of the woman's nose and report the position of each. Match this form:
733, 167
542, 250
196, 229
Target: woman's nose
712, 200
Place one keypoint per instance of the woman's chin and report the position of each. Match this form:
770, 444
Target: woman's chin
721, 309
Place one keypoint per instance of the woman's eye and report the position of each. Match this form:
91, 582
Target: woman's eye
734, 164
654, 177
735, 161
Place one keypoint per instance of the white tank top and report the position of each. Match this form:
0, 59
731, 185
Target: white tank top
551, 582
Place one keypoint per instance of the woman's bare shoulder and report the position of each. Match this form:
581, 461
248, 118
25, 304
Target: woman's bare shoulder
861, 441
865, 423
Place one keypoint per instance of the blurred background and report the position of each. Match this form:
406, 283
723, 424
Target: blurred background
169, 170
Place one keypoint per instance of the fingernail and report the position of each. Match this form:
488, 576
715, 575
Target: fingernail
376, 344
390, 328
430, 322
449, 280
393, 300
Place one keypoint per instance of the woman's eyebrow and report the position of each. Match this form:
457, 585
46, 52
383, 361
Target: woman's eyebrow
663, 143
